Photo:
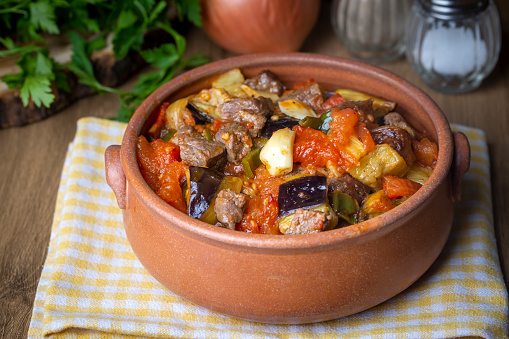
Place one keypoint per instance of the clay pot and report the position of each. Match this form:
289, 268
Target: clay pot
300, 278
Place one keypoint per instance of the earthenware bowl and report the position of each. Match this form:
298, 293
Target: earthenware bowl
299, 278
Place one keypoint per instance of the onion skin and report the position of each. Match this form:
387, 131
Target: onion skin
257, 26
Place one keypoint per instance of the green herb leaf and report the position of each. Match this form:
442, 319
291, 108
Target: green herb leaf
164, 56
61, 77
128, 21
189, 9
80, 56
34, 81
42, 15
14, 81
157, 11
196, 60
81, 65
12, 49
37, 88
130, 38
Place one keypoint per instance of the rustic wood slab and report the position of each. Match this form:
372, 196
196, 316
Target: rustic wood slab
108, 70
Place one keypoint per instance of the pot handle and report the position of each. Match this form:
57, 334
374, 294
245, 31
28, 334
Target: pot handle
115, 176
460, 163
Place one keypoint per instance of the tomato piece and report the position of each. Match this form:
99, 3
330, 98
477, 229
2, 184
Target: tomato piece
216, 125
396, 187
365, 136
170, 190
300, 85
334, 100
158, 128
266, 183
269, 186
341, 128
261, 216
426, 152
313, 147
160, 167
154, 157
303, 84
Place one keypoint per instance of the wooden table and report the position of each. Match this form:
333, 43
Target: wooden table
31, 160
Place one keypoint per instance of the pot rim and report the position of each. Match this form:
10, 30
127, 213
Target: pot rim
339, 237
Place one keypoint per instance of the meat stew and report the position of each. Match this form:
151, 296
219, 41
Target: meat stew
252, 155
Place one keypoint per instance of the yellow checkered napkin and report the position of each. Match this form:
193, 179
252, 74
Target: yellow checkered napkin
92, 285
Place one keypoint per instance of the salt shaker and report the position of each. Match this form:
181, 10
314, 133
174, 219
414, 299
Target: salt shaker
453, 44
372, 30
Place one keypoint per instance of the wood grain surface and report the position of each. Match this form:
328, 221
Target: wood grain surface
31, 159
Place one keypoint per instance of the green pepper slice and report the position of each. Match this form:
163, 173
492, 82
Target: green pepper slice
169, 135
251, 162
208, 135
325, 119
345, 206
311, 122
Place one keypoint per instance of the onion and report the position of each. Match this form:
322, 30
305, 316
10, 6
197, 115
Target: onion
256, 26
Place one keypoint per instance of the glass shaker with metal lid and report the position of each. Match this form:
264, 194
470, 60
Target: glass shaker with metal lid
453, 44
372, 30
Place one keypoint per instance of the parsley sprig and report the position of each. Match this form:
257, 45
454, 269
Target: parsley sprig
25, 26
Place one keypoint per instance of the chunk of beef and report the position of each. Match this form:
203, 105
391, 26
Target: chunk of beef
250, 112
267, 82
351, 186
307, 221
187, 130
311, 95
395, 119
235, 138
364, 108
397, 138
229, 207
271, 106
198, 151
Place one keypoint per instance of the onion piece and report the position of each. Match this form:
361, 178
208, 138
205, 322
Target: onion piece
277, 154
247, 26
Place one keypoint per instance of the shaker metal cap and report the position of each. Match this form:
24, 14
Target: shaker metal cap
454, 9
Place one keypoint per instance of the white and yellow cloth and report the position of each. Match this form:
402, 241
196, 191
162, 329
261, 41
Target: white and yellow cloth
93, 286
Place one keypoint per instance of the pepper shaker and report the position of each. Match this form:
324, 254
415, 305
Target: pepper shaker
453, 44
372, 30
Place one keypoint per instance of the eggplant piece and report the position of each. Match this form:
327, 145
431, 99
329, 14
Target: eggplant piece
303, 192
375, 205
351, 95
328, 94
275, 123
203, 186
199, 117
305, 221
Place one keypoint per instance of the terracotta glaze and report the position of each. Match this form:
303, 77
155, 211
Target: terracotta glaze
293, 278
